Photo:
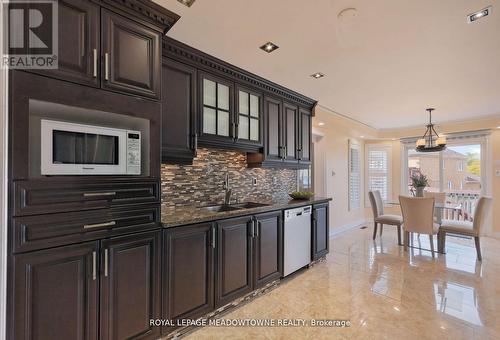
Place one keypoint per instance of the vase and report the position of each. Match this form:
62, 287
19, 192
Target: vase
420, 192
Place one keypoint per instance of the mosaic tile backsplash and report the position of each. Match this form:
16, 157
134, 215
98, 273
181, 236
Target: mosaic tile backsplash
202, 183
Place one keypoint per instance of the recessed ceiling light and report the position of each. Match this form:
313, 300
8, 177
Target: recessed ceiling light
479, 14
498, 127
269, 47
361, 136
317, 75
321, 123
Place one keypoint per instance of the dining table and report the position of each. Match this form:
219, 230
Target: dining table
439, 208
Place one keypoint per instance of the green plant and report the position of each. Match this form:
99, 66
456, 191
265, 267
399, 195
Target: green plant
419, 181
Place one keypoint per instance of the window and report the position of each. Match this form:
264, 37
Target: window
464, 178
248, 116
378, 167
354, 176
216, 119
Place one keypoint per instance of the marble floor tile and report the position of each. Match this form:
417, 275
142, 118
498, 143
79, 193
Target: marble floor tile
384, 292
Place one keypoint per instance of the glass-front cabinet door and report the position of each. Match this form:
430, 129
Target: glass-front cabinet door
216, 107
249, 117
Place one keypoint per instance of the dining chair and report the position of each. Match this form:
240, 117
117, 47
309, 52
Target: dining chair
439, 197
418, 216
467, 228
380, 218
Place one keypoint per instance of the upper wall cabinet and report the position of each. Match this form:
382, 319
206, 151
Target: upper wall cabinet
230, 116
287, 136
115, 46
239, 110
216, 121
178, 120
131, 56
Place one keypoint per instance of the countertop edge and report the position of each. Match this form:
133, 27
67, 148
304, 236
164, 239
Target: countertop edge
245, 212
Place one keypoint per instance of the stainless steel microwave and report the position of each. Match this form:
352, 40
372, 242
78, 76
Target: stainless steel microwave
78, 149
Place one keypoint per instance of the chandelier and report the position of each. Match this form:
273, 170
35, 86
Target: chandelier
431, 141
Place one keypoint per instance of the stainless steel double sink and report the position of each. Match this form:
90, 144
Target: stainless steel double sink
232, 207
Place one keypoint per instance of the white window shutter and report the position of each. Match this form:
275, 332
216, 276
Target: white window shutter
354, 176
378, 167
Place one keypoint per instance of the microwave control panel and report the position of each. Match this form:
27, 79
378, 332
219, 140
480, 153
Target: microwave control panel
133, 153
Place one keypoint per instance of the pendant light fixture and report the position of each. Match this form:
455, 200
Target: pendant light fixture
431, 141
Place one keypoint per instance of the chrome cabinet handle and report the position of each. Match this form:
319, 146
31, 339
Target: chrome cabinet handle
213, 237
95, 62
106, 66
93, 194
284, 152
257, 224
106, 262
94, 265
97, 225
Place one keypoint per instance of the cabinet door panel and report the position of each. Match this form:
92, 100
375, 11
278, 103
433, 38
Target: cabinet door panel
130, 286
55, 293
78, 37
178, 110
268, 250
131, 56
188, 272
320, 232
234, 259
272, 108
290, 129
305, 137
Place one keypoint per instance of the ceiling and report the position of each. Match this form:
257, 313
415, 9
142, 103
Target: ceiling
384, 65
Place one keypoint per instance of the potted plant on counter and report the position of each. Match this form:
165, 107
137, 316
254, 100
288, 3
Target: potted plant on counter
419, 182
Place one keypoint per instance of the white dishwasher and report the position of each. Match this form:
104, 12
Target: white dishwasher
297, 239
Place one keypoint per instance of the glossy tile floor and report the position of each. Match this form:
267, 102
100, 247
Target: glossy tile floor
384, 292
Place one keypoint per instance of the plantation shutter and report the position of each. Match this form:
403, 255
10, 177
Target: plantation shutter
354, 176
378, 169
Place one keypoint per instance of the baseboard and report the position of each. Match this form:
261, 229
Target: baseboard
346, 227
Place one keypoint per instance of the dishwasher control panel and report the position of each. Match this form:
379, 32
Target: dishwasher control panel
302, 211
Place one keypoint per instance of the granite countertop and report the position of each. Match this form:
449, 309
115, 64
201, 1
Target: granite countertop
178, 216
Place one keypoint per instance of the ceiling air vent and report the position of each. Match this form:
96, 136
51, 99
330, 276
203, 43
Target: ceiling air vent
479, 14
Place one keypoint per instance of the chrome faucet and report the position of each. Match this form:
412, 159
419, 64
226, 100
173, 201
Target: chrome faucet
227, 190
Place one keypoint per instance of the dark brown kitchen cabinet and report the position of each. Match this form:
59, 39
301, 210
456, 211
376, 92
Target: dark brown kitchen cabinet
304, 136
78, 43
216, 120
289, 134
130, 56
188, 272
178, 119
273, 109
248, 116
55, 293
234, 259
130, 286
320, 231
268, 248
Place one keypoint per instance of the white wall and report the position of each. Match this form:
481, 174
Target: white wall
331, 165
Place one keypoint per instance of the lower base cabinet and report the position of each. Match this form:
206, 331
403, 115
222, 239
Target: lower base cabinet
268, 248
234, 259
56, 291
320, 231
130, 286
55, 295
188, 272
208, 265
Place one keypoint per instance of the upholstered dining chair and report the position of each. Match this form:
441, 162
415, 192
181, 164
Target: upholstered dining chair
418, 216
467, 228
439, 197
380, 218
